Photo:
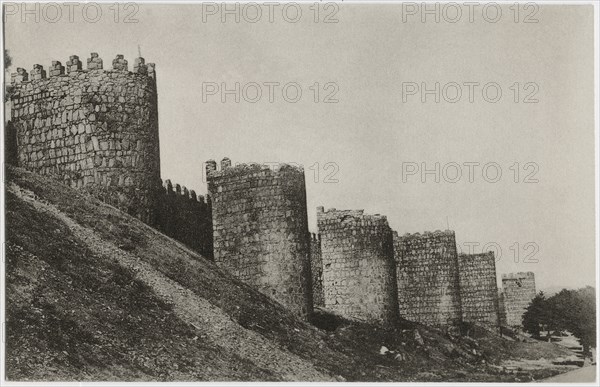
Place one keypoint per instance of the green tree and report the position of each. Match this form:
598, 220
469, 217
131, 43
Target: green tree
536, 316
582, 317
8, 88
568, 310
7, 60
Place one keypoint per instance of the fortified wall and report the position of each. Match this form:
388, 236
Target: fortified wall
428, 280
185, 217
91, 128
359, 278
97, 130
518, 290
478, 291
316, 269
501, 307
260, 229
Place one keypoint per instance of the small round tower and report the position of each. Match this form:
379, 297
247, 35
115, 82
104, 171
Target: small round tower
260, 229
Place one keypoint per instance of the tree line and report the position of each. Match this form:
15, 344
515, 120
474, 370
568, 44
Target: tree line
569, 310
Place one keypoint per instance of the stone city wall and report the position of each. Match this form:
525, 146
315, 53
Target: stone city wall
185, 217
316, 268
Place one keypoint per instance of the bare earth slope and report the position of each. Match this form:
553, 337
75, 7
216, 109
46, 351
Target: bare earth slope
94, 294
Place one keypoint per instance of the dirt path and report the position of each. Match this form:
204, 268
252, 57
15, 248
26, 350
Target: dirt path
582, 375
209, 321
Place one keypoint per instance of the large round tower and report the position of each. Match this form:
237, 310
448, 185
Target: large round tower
93, 129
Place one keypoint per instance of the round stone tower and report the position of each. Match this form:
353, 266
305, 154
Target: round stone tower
260, 229
428, 280
359, 272
93, 129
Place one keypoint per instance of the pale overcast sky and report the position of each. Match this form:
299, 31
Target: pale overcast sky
368, 55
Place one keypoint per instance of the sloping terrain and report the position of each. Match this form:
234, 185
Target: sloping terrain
94, 294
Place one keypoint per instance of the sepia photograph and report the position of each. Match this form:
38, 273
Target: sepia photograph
317, 192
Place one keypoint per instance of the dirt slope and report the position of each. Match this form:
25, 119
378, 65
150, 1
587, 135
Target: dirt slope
94, 294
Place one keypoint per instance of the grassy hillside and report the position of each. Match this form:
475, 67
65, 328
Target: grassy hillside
94, 294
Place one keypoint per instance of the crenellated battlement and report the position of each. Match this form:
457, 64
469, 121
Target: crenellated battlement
478, 255
245, 169
182, 191
428, 234
185, 216
350, 216
73, 66
519, 275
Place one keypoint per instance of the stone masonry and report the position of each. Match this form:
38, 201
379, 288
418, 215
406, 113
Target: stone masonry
478, 289
260, 229
428, 281
518, 290
501, 307
358, 265
93, 129
186, 217
316, 269
96, 129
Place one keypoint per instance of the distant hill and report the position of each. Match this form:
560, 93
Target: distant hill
94, 294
